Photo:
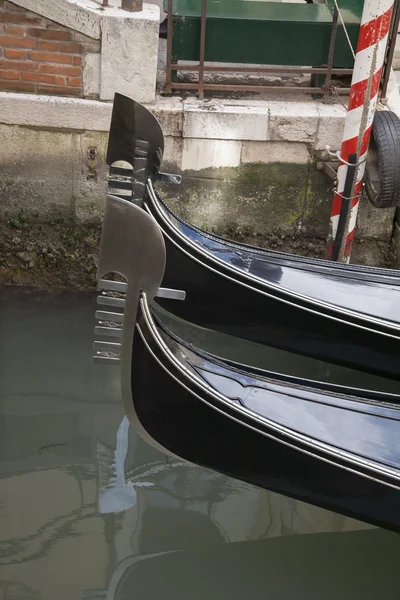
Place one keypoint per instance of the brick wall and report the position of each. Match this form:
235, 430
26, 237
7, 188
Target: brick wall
40, 56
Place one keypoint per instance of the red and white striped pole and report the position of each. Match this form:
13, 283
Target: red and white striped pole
370, 55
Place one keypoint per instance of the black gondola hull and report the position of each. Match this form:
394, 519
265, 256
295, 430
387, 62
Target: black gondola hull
174, 414
218, 300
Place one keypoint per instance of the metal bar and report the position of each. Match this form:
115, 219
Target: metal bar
331, 53
168, 75
121, 287
120, 184
254, 88
261, 69
112, 332
107, 361
203, 24
345, 208
112, 286
110, 301
391, 49
102, 315
172, 294
114, 347
122, 171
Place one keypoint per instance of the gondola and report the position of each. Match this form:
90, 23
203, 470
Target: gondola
343, 314
328, 445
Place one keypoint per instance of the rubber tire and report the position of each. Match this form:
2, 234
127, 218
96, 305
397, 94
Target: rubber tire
385, 150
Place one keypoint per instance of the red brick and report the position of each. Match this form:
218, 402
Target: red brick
14, 17
18, 86
60, 91
65, 59
71, 47
12, 53
41, 78
50, 34
16, 42
60, 70
77, 60
21, 66
15, 30
52, 46
8, 74
75, 81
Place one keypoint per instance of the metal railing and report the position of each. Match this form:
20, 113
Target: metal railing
326, 90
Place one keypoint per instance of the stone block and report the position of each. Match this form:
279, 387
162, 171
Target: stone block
55, 112
169, 111
89, 175
91, 75
38, 181
225, 122
293, 121
376, 223
173, 150
81, 15
271, 152
129, 53
318, 197
261, 199
201, 154
330, 126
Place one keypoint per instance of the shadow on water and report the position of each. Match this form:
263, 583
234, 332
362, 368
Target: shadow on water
89, 511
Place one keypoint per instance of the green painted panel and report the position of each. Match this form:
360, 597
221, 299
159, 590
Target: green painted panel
261, 42
256, 11
264, 32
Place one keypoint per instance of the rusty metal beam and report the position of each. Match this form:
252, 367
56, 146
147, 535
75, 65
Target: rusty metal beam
261, 69
253, 88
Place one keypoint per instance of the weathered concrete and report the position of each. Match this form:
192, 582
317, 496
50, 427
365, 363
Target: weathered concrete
52, 173
330, 126
129, 53
53, 112
293, 125
91, 75
226, 122
272, 152
81, 15
200, 154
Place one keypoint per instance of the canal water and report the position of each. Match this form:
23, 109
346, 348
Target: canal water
89, 512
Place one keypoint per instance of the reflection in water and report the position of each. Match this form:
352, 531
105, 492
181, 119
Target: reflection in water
89, 511
120, 494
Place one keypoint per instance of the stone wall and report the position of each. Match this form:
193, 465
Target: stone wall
78, 48
41, 56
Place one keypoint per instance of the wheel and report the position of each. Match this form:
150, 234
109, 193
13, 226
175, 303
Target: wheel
382, 171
